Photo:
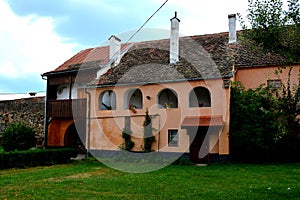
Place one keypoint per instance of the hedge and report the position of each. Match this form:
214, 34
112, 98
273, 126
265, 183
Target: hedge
38, 157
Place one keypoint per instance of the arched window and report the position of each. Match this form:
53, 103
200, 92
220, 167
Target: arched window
133, 97
167, 99
200, 97
107, 100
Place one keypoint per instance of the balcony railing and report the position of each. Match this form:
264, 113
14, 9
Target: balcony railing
66, 108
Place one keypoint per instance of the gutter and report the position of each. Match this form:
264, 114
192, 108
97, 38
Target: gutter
155, 82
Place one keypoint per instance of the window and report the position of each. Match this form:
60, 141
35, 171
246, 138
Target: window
173, 138
133, 97
274, 84
200, 97
167, 99
107, 100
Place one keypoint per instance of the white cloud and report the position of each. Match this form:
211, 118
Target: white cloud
204, 17
29, 44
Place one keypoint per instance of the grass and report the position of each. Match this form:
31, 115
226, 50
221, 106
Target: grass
90, 179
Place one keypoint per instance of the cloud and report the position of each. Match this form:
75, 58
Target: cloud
29, 45
203, 17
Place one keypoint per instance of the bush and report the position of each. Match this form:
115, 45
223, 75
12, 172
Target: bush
263, 126
38, 157
18, 136
128, 143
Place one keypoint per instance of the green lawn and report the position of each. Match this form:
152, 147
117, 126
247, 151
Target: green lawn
91, 180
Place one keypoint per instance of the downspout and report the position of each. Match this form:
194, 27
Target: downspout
158, 134
70, 86
89, 121
45, 115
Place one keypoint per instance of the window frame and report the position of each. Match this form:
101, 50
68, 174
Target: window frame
171, 141
273, 83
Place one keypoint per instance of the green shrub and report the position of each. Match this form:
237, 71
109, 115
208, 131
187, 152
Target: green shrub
38, 157
263, 125
128, 143
18, 136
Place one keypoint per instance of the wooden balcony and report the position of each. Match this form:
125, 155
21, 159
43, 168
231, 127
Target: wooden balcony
64, 108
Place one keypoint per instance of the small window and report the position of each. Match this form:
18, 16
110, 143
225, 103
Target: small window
107, 100
274, 84
173, 138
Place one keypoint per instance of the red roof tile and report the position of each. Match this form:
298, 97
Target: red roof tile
97, 54
196, 121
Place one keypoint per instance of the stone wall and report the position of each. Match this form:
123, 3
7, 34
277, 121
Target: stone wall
29, 111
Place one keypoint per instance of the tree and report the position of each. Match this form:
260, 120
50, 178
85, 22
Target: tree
253, 123
274, 29
264, 124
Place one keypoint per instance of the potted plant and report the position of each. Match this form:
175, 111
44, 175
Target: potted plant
168, 105
133, 108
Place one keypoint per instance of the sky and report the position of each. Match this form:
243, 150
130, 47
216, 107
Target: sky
36, 36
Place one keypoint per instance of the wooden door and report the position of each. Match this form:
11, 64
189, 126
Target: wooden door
196, 140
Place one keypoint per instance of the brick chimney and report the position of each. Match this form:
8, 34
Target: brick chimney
114, 48
232, 28
174, 40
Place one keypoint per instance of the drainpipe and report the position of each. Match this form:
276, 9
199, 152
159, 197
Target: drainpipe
89, 120
158, 134
45, 115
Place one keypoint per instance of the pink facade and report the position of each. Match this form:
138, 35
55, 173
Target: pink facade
107, 125
252, 77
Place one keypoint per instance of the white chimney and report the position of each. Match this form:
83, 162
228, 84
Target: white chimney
114, 48
174, 40
232, 28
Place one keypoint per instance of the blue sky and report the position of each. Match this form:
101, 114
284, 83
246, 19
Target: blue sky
37, 36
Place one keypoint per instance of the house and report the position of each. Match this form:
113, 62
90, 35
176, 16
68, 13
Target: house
181, 83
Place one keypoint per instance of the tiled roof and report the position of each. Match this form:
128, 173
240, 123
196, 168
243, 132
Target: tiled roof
201, 57
196, 121
91, 57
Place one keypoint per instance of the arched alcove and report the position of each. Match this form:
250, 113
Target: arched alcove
107, 100
200, 97
133, 97
167, 98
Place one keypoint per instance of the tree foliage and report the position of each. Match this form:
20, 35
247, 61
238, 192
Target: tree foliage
273, 28
264, 124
